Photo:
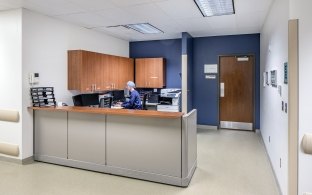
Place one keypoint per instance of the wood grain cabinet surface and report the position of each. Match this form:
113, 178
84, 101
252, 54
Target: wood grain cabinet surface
150, 72
91, 71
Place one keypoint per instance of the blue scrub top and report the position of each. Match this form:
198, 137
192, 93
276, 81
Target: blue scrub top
134, 102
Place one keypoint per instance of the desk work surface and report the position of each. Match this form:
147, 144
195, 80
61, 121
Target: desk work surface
109, 111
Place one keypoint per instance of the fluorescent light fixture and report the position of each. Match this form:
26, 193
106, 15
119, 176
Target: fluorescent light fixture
144, 28
215, 7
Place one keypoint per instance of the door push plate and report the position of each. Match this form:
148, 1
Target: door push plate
221, 89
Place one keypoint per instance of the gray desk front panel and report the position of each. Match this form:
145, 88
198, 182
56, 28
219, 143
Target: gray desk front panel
150, 145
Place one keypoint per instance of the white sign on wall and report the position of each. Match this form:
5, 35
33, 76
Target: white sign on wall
211, 68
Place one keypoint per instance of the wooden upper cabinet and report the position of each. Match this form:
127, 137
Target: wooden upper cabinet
125, 72
150, 72
91, 71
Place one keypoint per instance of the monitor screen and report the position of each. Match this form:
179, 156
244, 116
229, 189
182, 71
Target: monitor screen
90, 99
86, 99
118, 95
77, 100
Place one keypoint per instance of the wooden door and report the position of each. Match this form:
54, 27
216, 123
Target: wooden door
140, 72
236, 92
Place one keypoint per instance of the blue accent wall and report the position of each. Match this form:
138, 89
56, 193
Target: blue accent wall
207, 51
169, 49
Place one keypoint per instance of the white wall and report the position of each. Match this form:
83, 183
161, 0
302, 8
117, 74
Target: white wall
10, 74
302, 10
274, 122
45, 44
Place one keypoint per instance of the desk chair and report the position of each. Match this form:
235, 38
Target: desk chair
144, 102
106, 102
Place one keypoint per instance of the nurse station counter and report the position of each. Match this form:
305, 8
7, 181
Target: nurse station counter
143, 144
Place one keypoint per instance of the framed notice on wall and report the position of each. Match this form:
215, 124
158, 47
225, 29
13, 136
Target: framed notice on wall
273, 78
267, 78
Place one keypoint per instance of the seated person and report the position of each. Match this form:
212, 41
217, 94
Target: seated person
135, 101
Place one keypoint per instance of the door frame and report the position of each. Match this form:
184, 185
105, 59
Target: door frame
253, 84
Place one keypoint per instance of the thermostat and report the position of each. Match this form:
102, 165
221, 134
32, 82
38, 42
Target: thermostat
33, 78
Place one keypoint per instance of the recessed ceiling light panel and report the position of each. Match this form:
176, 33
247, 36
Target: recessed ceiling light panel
144, 28
215, 7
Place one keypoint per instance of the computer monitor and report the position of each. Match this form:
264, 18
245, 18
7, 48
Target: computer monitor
86, 99
118, 95
77, 100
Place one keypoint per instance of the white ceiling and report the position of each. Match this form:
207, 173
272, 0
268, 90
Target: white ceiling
171, 16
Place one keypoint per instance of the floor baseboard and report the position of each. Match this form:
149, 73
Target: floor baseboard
25, 161
209, 127
267, 154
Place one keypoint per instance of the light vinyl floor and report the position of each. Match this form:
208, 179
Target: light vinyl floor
229, 163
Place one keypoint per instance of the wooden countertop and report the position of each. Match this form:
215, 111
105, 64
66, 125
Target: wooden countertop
124, 112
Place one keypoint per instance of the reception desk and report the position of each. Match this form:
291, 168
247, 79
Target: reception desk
143, 144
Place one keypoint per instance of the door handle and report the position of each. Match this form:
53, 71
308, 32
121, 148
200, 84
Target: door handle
221, 89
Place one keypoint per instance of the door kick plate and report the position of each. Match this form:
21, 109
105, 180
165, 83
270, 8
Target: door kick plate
236, 125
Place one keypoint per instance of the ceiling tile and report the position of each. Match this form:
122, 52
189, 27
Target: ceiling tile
93, 5
121, 16
223, 22
87, 20
150, 12
6, 4
180, 9
125, 3
52, 7
242, 6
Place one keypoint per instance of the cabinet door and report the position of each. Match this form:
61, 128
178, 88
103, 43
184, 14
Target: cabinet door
75, 70
98, 72
108, 72
89, 71
149, 72
155, 72
125, 72
140, 72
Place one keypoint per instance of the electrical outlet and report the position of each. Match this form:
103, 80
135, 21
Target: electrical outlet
285, 107
269, 139
280, 162
282, 105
